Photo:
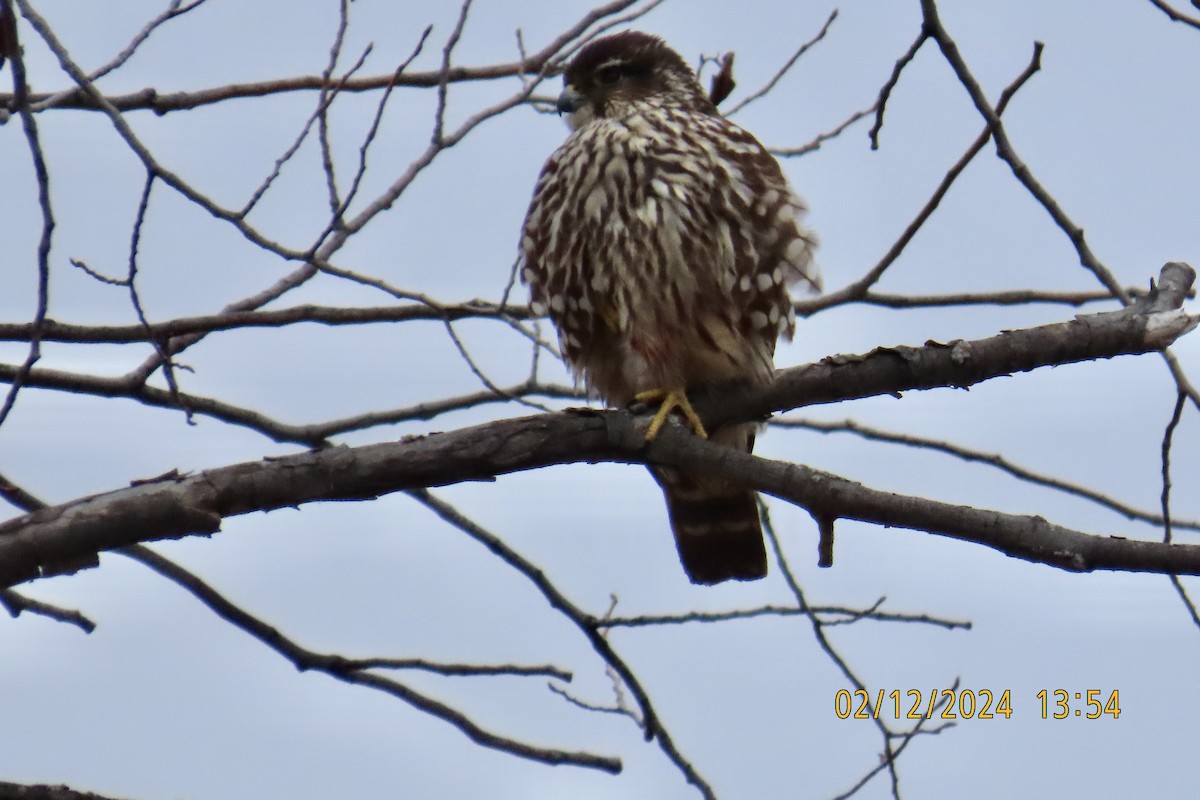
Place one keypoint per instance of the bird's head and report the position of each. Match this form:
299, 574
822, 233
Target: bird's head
618, 75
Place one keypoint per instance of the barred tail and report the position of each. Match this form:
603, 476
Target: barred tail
718, 537
716, 526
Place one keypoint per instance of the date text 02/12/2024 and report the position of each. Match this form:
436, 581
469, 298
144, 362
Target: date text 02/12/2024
952, 704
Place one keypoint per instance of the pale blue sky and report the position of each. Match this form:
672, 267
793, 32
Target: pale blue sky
165, 701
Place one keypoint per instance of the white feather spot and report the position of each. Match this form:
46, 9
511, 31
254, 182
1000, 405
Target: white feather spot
529, 276
596, 201
764, 281
648, 213
773, 314
797, 253
600, 283
744, 283
777, 275
758, 319
538, 308
557, 304
616, 167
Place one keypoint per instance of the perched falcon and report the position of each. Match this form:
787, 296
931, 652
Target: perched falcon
661, 240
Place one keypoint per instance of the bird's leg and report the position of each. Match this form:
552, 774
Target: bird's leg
670, 399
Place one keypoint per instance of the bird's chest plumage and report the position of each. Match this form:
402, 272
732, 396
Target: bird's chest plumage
633, 245
630, 232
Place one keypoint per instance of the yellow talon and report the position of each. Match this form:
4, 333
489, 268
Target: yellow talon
670, 400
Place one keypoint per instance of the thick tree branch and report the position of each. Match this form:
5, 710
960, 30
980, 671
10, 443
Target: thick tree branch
991, 459
17, 791
175, 506
1117, 333
1030, 538
1151, 324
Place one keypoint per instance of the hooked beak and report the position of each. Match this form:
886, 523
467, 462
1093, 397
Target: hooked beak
570, 101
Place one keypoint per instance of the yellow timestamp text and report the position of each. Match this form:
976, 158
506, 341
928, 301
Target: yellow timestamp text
954, 704
920, 704
1087, 704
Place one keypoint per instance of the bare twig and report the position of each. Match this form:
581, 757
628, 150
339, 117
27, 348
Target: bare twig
933, 28
1174, 15
885, 93
42, 177
1167, 523
1181, 380
586, 706
135, 144
168, 364
998, 298
830, 615
905, 738
478, 372
320, 113
439, 116
162, 103
1004, 149
16, 604
53, 331
818, 630
543, 63
859, 288
607, 19
352, 672
458, 669
822, 138
327, 95
361, 171
787, 66
174, 9
587, 624
18, 496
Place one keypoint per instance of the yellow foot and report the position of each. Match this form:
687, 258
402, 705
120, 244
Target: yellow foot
670, 400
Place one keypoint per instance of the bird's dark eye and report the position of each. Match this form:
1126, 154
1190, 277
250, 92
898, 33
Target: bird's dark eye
608, 76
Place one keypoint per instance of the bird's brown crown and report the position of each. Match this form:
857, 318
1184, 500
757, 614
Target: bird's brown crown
632, 66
